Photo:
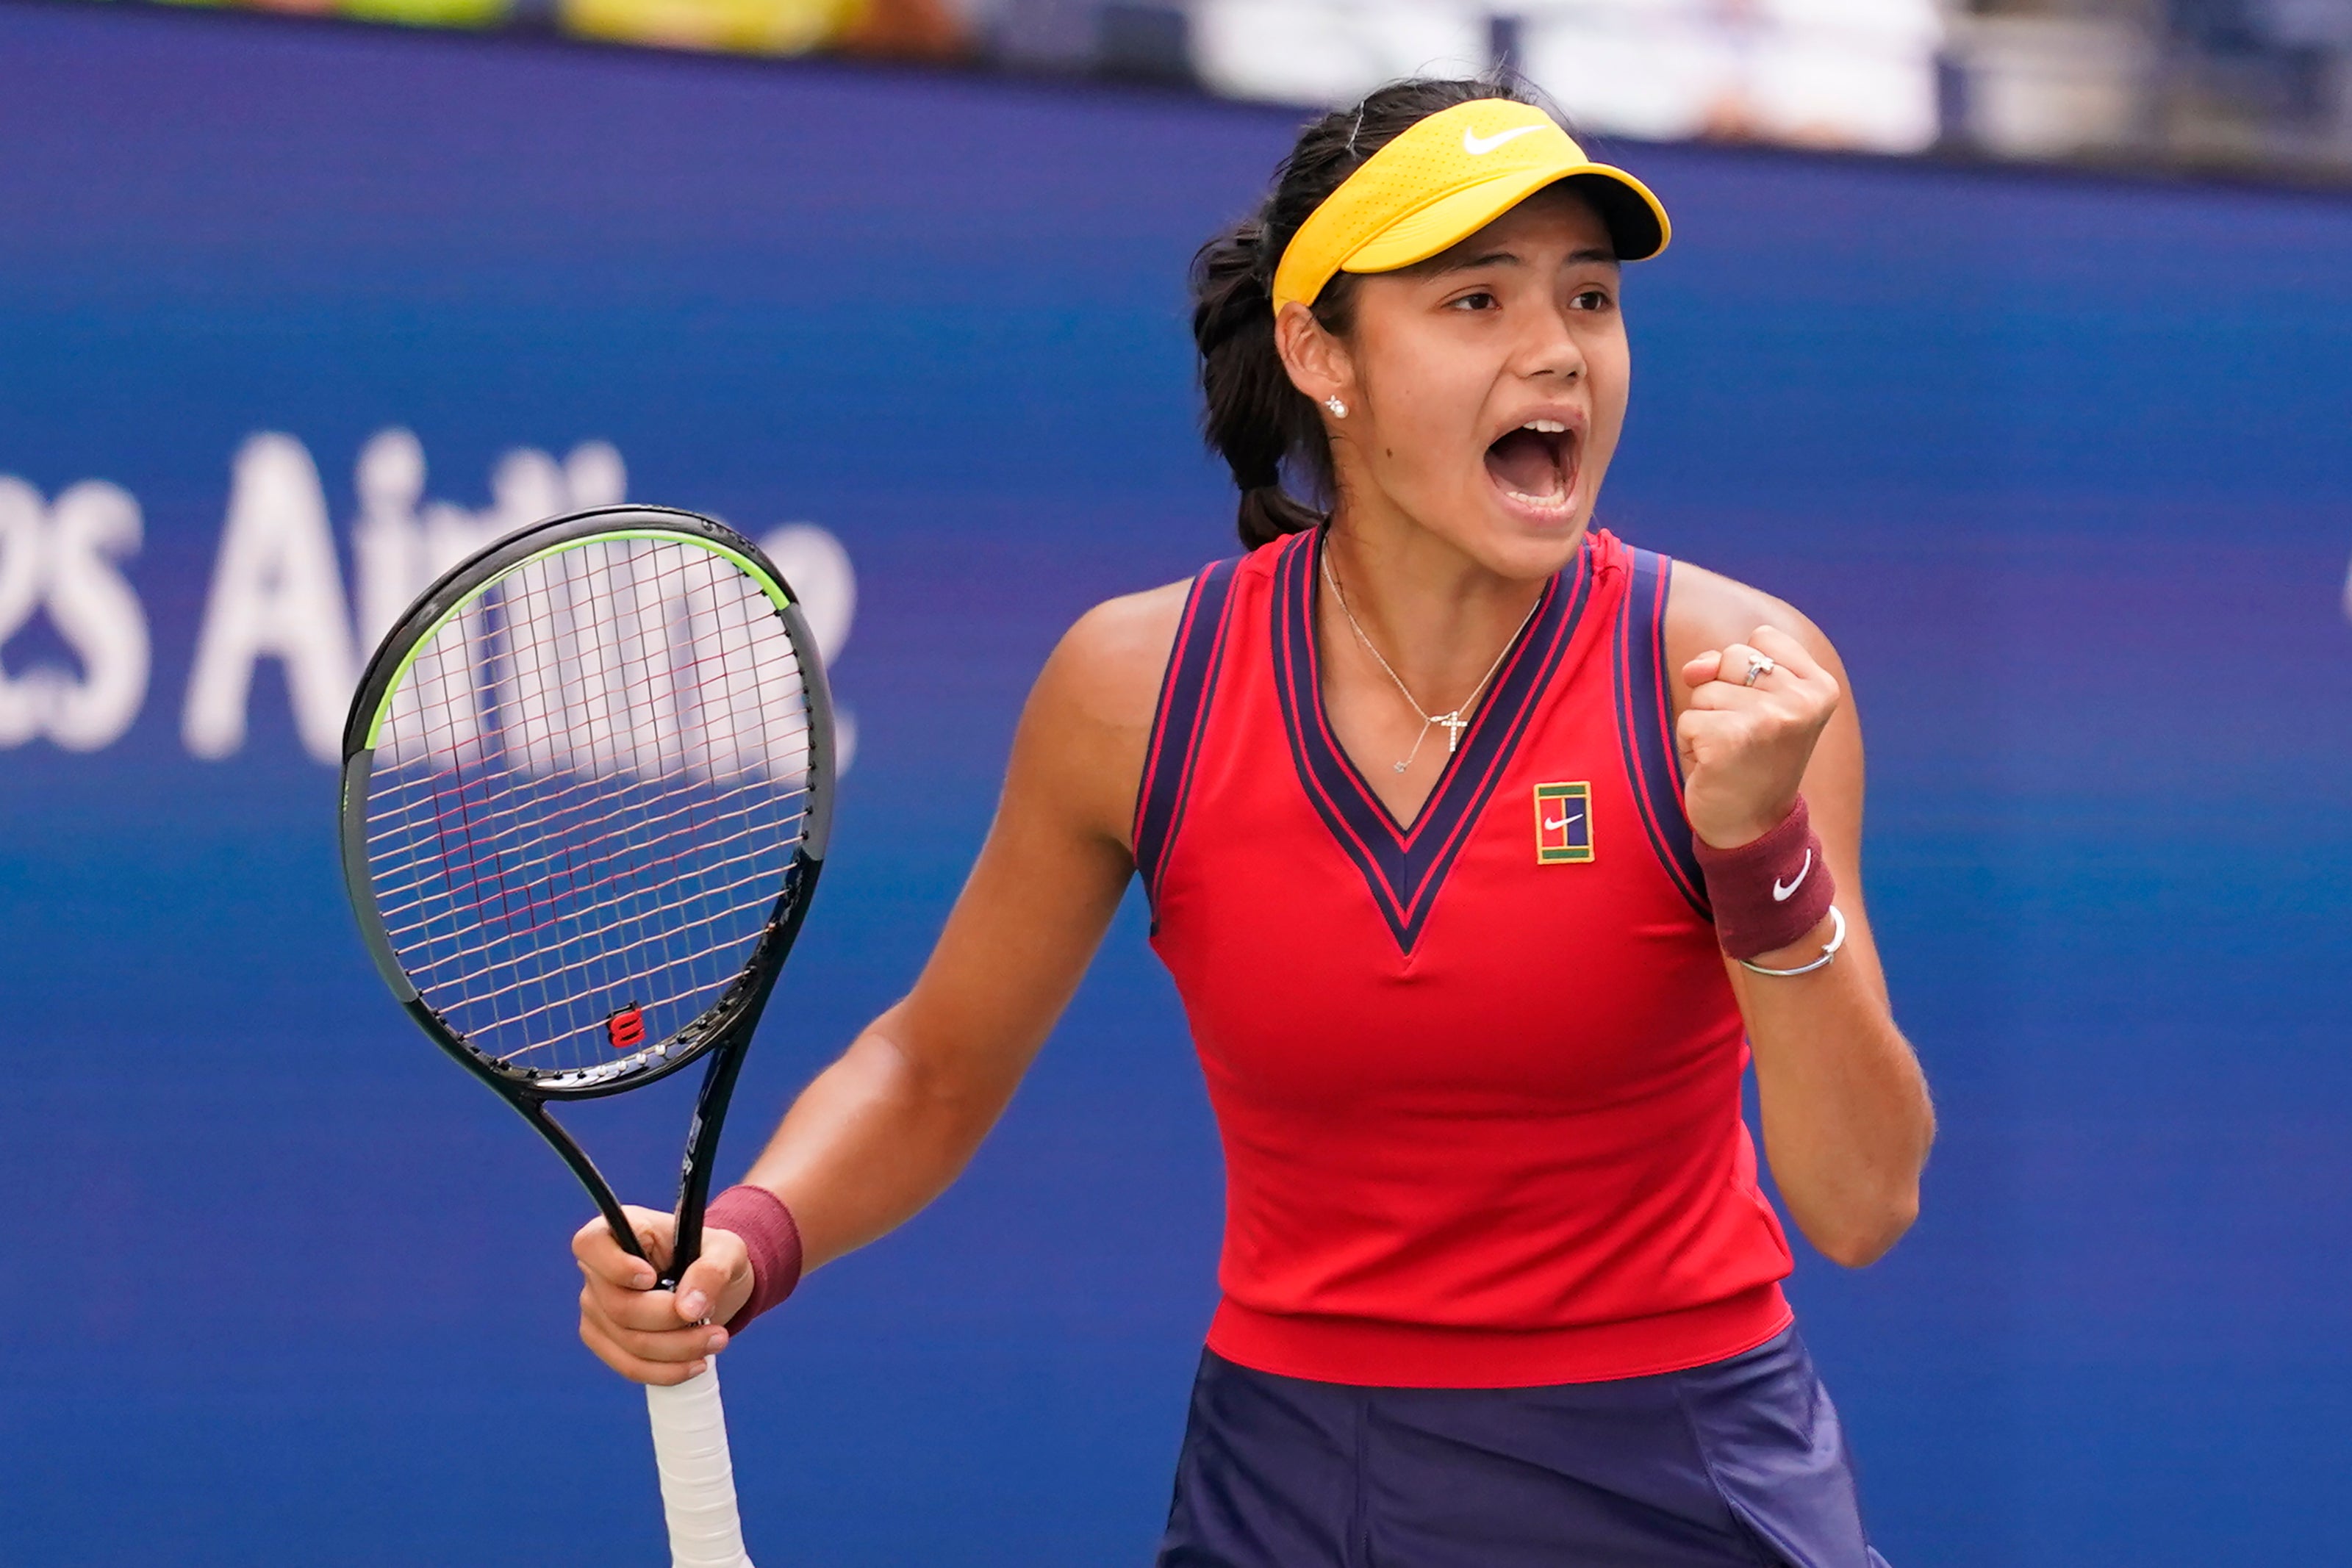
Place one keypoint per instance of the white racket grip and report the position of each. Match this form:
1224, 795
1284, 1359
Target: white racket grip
698, 1474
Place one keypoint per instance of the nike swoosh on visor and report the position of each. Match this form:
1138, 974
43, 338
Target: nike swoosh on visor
1479, 146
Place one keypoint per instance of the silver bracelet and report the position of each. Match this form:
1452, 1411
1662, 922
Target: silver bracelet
1837, 940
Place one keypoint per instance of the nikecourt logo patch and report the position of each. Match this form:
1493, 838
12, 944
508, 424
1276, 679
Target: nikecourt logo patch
1479, 146
1780, 892
1563, 823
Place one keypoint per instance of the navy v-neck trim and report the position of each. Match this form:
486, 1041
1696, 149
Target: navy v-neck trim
1405, 867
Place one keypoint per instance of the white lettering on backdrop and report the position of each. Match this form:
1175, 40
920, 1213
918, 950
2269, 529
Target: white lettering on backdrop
62, 559
277, 588
277, 594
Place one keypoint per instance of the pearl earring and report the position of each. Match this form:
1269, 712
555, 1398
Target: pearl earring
1339, 409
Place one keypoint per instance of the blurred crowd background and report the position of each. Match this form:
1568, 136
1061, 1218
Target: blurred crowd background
2260, 87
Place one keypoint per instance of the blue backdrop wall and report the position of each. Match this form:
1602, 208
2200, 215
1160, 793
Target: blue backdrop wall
2061, 464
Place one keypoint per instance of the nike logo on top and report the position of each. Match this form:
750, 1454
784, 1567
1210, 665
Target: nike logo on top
1479, 146
1556, 824
1780, 894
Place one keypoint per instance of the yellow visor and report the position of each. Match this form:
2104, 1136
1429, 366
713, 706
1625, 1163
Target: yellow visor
1448, 177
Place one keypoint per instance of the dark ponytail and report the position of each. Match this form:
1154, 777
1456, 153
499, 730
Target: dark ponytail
1264, 427
1255, 418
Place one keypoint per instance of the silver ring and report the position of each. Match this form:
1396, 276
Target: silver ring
1758, 666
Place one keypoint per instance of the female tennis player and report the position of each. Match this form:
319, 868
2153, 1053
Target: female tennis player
1483, 847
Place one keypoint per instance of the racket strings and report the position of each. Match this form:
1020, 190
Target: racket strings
475, 855
766, 885
524, 864
581, 798
491, 872
589, 791
668, 966
586, 798
661, 760
411, 908
755, 857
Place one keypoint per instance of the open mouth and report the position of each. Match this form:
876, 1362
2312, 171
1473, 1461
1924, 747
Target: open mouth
1535, 465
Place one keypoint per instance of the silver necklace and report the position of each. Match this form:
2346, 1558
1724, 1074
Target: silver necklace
1452, 723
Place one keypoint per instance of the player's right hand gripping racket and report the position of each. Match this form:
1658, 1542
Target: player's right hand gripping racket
586, 786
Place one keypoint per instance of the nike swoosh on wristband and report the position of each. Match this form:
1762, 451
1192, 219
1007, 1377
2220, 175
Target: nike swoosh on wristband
1780, 895
1479, 146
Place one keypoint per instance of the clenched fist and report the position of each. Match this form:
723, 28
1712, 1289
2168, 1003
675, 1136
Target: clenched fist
657, 1336
1744, 743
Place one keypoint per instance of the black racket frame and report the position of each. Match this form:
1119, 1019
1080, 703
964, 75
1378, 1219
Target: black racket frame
722, 1032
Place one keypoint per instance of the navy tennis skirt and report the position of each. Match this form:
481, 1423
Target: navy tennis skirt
1737, 1462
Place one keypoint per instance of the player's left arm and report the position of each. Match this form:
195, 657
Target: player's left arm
1847, 1121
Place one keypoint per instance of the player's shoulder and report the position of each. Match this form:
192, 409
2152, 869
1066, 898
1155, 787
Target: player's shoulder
1708, 610
1134, 629
1109, 662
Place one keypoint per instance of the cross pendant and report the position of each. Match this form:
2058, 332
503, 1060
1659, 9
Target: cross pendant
1454, 723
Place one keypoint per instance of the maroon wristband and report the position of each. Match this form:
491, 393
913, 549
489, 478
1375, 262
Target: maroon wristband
1771, 892
761, 1218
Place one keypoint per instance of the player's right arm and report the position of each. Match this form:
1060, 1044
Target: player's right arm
886, 1128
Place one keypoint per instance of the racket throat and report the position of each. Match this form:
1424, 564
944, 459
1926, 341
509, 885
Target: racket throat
694, 1176
534, 1111
702, 1144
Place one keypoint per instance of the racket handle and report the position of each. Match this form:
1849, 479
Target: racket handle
698, 1475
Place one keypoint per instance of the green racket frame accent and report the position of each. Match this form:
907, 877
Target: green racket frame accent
757, 570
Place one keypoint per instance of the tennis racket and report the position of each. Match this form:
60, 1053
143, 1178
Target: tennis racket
586, 786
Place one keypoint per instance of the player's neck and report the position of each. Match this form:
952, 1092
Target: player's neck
1437, 616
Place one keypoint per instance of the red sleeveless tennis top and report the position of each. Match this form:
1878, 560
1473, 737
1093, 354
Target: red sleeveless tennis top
1478, 1081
